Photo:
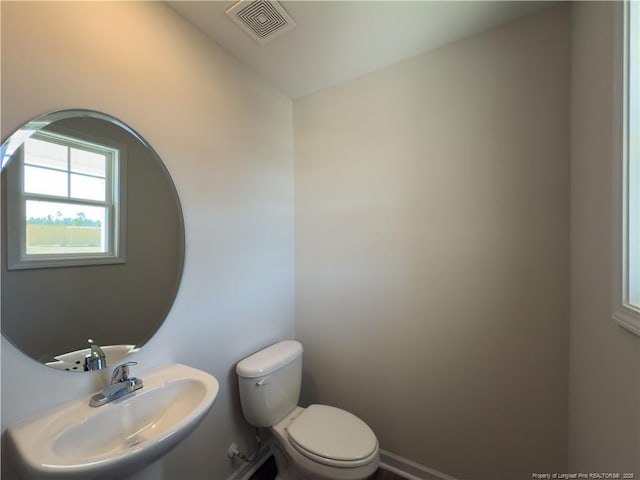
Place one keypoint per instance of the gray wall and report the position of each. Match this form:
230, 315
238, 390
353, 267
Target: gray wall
226, 138
604, 400
432, 283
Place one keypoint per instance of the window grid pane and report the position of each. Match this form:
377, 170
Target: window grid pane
46, 154
44, 181
88, 163
88, 188
63, 229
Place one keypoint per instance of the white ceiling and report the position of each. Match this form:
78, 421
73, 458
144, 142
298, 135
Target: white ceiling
335, 41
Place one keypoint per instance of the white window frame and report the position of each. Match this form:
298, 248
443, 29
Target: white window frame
625, 313
17, 258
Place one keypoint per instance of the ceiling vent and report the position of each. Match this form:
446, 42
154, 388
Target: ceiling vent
263, 20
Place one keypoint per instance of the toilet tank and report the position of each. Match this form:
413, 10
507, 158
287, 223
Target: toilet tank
269, 383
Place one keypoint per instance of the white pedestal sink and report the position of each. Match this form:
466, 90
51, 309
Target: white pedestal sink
76, 441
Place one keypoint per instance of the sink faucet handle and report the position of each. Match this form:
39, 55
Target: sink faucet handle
121, 372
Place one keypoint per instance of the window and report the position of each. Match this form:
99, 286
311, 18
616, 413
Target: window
65, 202
626, 281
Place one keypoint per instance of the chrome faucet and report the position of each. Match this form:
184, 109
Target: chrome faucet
95, 359
120, 386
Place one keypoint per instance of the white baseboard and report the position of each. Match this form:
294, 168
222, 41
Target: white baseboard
408, 469
247, 469
388, 461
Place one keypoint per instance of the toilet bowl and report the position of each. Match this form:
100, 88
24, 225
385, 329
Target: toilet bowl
319, 442
324, 443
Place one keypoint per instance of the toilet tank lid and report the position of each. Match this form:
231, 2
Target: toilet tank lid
269, 359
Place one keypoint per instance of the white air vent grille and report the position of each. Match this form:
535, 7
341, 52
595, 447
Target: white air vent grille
263, 20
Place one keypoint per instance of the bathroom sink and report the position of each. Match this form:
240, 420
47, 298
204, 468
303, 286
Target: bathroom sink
76, 441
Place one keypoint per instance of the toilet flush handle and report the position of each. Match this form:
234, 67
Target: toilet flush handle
263, 381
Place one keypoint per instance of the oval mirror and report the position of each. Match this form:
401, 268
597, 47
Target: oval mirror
92, 239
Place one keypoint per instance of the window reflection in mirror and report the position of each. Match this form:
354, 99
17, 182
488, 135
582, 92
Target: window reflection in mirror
66, 191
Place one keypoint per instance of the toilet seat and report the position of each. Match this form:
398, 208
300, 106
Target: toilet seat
333, 437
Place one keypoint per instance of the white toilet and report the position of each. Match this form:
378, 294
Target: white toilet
316, 443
